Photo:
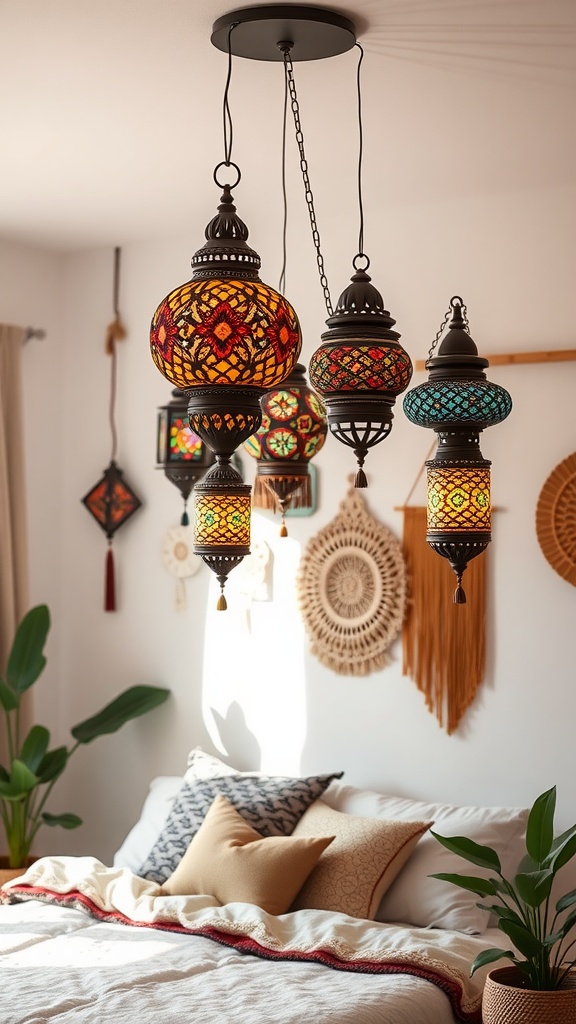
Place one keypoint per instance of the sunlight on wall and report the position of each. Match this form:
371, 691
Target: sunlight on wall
253, 690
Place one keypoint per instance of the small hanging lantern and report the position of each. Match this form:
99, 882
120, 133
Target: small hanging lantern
180, 452
458, 402
292, 432
226, 338
360, 368
112, 501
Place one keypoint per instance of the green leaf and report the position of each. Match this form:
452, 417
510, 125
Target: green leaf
34, 747
63, 820
52, 765
481, 886
540, 827
488, 956
567, 924
26, 660
137, 700
483, 856
508, 913
535, 887
566, 901
8, 698
563, 849
22, 781
524, 940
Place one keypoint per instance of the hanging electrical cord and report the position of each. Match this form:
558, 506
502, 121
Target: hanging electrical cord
227, 123
360, 158
282, 278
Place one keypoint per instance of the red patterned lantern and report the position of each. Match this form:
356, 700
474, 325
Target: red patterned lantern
360, 368
226, 338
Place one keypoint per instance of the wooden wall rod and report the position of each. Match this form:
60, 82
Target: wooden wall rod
560, 355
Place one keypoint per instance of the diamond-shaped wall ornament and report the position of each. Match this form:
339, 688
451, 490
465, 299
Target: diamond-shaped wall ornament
111, 501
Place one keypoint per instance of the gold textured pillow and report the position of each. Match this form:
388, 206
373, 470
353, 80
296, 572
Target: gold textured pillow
229, 860
352, 876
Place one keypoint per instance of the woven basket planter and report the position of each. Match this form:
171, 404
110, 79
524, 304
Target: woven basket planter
505, 1001
7, 873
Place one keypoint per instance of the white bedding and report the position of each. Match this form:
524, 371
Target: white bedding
70, 961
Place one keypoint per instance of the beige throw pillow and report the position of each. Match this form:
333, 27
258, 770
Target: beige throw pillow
229, 860
354, 873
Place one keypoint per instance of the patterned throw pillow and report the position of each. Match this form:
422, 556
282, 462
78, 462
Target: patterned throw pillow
365, 857
272, 805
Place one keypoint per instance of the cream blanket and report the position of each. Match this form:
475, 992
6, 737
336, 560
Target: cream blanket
115, 895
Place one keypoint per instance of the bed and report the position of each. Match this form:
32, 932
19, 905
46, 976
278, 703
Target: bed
251, 898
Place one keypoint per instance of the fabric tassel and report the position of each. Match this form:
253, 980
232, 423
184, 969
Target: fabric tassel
180, 597
360, 480
262, 496
185, 519
283, 528
443, 650
221, 605
110, 585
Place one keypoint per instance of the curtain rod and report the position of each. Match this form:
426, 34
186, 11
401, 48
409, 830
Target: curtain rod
34, 332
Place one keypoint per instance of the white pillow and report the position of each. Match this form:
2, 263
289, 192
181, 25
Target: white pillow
157, 806
414, 898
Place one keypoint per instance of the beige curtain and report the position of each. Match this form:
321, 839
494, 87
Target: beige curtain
13, 533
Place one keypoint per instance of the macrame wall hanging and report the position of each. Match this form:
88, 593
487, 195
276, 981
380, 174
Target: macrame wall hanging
351, 587
112, 501
180, 561
443, 643
556, 519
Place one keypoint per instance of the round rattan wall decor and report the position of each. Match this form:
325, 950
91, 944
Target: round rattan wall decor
556, 519
351, 586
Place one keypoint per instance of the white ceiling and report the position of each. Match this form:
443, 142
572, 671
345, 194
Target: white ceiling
111, 110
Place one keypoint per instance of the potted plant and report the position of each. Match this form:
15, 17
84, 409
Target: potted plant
32, 769
539, 929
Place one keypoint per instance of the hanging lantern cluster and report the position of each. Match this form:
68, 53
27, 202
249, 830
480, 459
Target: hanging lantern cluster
180, 452
360, 368
292, 432
226, 338
458, 402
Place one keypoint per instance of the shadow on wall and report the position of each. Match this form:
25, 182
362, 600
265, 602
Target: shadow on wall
236, 740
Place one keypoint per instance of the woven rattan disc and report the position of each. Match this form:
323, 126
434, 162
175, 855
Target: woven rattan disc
556, 519
351, 587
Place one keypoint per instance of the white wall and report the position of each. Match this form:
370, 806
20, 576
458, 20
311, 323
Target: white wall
250, 688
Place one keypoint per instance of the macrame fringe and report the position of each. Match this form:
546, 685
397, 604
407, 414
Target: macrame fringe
110, 583
265, 496
443, 644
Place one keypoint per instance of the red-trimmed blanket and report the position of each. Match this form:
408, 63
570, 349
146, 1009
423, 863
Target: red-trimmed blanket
63, 958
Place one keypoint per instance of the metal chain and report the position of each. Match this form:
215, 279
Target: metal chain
455, 301
289, 71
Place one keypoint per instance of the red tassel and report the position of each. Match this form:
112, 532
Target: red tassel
110, 589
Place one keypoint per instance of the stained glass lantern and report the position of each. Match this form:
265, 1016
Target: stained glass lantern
292, 432
222, 506
111, 501
180, 452
227, 338
458, 402
360, 368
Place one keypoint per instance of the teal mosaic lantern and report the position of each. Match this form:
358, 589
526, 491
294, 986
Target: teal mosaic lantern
458, 402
